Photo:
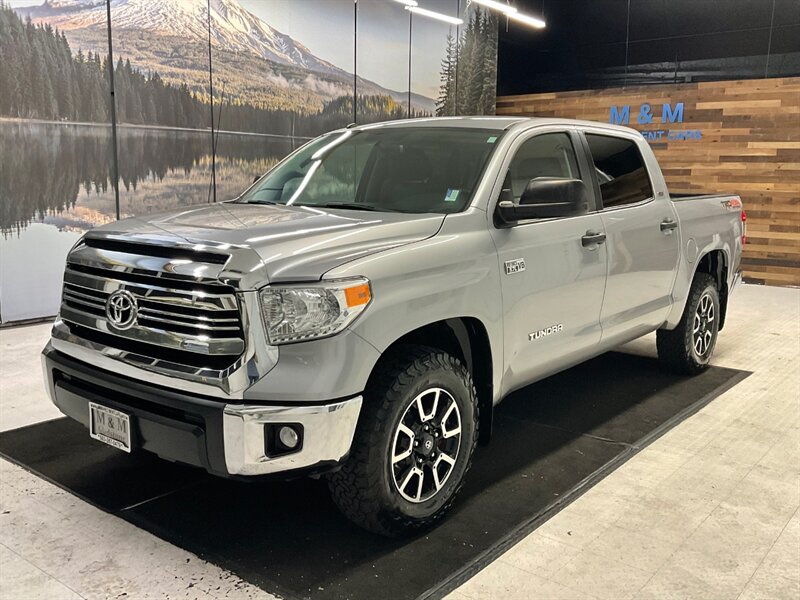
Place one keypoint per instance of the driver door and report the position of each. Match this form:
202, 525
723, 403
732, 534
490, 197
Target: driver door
552, 280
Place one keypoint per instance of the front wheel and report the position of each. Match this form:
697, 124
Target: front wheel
688, 348
413, 444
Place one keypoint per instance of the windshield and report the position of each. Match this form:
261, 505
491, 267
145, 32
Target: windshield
404, 169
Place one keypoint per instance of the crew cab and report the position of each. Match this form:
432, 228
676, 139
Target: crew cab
363, 307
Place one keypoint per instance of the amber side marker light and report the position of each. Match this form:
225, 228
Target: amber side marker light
357, 295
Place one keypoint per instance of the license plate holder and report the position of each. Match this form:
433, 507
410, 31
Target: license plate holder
110, 426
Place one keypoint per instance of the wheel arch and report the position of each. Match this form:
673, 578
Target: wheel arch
467, 339
716, 263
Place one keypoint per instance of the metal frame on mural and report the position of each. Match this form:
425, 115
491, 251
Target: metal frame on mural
410, 24
211, 94
355, 60
115, 157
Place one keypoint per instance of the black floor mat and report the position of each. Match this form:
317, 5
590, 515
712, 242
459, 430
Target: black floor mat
552, 440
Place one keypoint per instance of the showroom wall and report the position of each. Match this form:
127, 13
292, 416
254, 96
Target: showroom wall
724, 137
727, 72
278, 71
614, 43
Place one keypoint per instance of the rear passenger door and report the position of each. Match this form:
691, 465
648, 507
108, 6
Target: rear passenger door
552, 273
642, 239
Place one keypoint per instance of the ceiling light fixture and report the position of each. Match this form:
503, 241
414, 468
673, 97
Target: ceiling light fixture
499, 6
532, 21
434, 15
407, 2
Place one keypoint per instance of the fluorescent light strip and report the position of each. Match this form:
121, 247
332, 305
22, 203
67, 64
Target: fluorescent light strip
532, 21
498, 6
407, 2
434, 15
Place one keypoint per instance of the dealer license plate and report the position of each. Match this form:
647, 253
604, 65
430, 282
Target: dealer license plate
110, 426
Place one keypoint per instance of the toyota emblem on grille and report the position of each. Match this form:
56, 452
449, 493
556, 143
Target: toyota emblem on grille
121, 309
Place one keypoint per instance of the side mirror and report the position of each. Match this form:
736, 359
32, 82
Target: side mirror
546, 198
256, 178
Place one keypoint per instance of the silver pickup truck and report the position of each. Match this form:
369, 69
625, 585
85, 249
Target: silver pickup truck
361, 309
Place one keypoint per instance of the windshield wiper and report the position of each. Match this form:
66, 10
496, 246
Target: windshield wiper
350, 205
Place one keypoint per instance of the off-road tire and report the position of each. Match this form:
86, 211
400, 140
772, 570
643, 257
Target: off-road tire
364, 488
676, 349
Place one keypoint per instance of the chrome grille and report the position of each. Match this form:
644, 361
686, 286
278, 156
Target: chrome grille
184, 314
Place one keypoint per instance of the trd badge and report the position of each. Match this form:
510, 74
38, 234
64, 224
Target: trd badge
515, 266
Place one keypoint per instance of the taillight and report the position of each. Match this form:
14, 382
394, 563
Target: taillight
744, 227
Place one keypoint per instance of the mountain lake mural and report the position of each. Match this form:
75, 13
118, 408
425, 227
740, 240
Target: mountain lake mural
280, 76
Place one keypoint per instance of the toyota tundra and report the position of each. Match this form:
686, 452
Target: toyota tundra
362, 308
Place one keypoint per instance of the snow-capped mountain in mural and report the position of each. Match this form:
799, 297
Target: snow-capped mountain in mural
232, 27
169, 36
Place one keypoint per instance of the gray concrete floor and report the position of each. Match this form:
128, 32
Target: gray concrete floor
710, 510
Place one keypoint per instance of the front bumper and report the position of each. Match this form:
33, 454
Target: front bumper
227, 439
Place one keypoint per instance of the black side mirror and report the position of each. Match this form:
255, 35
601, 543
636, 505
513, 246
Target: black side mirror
256, 178
546, 198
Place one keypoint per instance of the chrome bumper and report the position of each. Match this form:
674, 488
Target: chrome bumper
226, 439
327, 435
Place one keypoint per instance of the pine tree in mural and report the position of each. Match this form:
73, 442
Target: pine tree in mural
446, 103
489, 40
469, 67
67, 87
469, 70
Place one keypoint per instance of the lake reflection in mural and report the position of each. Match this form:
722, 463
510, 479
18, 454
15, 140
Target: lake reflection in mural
58, 178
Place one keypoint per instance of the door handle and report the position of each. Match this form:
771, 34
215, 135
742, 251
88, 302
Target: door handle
593, 238
667, 225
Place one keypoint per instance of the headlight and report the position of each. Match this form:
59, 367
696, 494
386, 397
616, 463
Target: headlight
296, 313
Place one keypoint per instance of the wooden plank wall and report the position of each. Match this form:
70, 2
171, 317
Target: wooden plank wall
750, 145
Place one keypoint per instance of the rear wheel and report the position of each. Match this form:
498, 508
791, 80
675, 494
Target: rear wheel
413, 444
688, 348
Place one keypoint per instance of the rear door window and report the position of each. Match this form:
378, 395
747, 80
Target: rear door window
620, 169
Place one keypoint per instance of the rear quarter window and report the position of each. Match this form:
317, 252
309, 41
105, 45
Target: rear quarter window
620, 169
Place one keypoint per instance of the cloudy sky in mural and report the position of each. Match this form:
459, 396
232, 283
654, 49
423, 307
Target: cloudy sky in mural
326, 28
327, 31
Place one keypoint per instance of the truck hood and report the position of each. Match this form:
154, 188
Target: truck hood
294, 243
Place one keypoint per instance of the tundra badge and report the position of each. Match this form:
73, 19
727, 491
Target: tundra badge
515, 266
546, 331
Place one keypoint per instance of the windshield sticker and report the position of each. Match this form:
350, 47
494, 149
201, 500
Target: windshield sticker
492, 139
451, 196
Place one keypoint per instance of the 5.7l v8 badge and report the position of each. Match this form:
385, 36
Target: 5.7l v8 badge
515, 266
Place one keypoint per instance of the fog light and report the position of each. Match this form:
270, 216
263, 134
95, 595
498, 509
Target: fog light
288, 437
283, 438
